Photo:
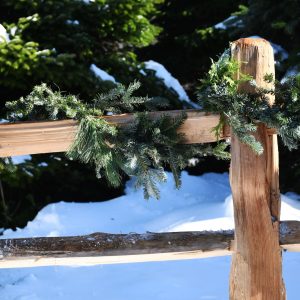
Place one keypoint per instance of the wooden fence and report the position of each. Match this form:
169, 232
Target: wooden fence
259, 236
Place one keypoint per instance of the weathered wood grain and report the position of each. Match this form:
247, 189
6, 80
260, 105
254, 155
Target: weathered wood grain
56, 136
290, 235
105, 248
256, 271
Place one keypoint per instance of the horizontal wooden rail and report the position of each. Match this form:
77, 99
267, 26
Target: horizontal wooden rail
104, 248
22, 138
56, 136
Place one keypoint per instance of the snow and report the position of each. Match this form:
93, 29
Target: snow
176, 208
292, 71
223, 25
279, 50
203, 203
170, 81
160, 72
3, 34
230, 22
103, 75
72, 22
20, 159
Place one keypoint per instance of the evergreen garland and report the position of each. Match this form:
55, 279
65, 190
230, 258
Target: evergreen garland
218, 93
142, 149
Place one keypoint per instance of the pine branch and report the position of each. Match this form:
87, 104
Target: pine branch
219, 93
142, 149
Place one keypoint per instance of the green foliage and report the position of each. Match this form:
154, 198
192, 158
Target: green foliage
242, 111
120, 100
141, 149
155, 143
43, 103
92, 145
18, 59
242, 10
57, 41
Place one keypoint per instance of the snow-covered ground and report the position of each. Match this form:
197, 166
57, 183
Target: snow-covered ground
202, 203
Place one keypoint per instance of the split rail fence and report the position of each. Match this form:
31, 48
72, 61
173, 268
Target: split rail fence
258, 240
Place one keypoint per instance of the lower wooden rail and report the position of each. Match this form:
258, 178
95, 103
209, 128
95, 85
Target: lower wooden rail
105, 248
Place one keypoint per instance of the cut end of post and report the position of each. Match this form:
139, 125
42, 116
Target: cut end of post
256, 58
252, 42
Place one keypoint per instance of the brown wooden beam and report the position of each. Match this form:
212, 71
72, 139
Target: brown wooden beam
105, 248
256, 269
22, 138
290, 235
56, 136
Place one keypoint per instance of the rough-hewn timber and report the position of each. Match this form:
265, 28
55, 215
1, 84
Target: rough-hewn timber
256, 271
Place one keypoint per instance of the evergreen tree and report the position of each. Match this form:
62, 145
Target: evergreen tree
63, 38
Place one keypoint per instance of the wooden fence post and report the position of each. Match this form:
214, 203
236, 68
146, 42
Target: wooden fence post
256, 270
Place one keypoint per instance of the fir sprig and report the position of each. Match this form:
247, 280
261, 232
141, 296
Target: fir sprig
121, 99
45, 104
